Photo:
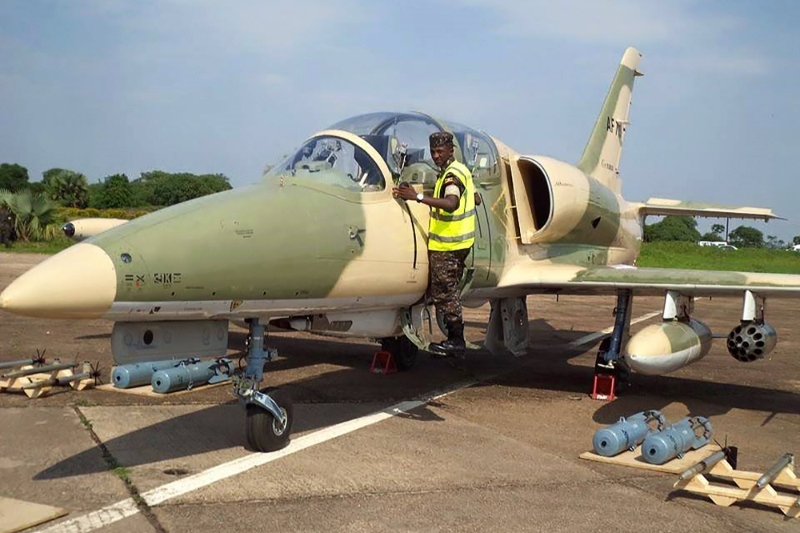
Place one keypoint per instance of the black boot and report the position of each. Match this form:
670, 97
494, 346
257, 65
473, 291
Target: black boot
454, 346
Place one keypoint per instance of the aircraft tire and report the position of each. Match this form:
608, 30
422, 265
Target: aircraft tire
263, 433
403, 351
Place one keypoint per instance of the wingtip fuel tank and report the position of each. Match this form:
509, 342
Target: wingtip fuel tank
83, 228
663, 348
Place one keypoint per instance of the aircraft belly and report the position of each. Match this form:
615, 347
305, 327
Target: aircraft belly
233, 309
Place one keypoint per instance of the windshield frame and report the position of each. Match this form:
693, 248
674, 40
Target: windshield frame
363, 145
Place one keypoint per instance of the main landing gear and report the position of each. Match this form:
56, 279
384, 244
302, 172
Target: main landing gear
610, 370
270, 412
404, 352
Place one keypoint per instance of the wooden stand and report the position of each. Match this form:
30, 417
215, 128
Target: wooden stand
746, 488
42, 383
147, 390
634, 459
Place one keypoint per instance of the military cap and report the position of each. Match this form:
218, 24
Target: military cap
441, 138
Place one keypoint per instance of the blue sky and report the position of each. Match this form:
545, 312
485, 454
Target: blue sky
107, 86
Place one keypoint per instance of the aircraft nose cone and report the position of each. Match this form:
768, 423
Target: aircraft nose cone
80, 282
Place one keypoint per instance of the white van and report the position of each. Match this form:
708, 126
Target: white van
717, 244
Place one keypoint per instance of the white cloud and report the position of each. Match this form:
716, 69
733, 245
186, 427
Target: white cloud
623, 22
247, 26
699, 39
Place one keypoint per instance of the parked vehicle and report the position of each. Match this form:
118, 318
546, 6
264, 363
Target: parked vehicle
718, 244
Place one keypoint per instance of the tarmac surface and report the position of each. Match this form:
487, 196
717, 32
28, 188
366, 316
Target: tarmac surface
500, 454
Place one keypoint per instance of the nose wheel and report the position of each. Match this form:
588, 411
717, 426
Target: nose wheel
265, 431
269, 412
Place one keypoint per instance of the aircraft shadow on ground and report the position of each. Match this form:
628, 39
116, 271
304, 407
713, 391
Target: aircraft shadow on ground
701, 397
94, 337
547, 366
219, 427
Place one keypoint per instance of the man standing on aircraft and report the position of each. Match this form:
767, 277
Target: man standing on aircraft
450, 237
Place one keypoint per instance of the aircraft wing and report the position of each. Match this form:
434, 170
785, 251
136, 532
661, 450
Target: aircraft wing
568, 279
664, 206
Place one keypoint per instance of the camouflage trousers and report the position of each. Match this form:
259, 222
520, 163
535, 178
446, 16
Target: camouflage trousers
446, 269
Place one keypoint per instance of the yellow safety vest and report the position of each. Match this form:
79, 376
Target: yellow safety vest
453, 231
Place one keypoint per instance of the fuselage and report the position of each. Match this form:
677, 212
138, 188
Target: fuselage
322, 232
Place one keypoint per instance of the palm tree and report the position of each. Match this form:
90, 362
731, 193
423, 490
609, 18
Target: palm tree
5, 197
70, 188
35, 215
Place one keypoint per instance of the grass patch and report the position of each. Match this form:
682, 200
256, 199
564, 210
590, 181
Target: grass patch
691, 256
122, 473
85, 421
42, 247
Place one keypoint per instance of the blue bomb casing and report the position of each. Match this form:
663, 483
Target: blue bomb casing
627, 433
134, 375
191, 373
675, 440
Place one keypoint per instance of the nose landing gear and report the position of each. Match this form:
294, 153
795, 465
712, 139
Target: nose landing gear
265, 431
270, 413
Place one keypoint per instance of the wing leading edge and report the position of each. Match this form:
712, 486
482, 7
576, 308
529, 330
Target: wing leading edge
533, 277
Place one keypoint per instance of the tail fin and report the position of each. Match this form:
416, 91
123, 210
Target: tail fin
601, 156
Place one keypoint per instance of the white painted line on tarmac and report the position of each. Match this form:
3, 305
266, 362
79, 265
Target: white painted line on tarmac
97, 519
586, 339
125, 508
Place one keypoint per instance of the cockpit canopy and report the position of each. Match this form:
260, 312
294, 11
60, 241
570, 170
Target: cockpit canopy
401, 139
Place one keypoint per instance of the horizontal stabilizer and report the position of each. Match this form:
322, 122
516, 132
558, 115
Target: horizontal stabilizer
664, 206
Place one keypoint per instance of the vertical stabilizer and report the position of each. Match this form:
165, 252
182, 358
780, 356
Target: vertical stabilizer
601, 156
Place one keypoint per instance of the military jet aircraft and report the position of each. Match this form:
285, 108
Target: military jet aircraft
320, 245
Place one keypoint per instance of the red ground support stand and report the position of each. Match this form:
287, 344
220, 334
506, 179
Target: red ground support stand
383, 363
603, 387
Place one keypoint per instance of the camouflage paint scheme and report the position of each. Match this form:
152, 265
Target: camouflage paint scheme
292, 245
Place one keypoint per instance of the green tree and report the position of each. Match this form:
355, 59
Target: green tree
5, 197
48, 175
35, 215
37, 187
711, 236
141, 192
13, 177
95, 196
796, 240
747, 237
115, 192
163, 188
774, 243
719, 229
672, 228
68, 187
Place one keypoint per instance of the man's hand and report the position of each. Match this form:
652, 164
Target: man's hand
405, 192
